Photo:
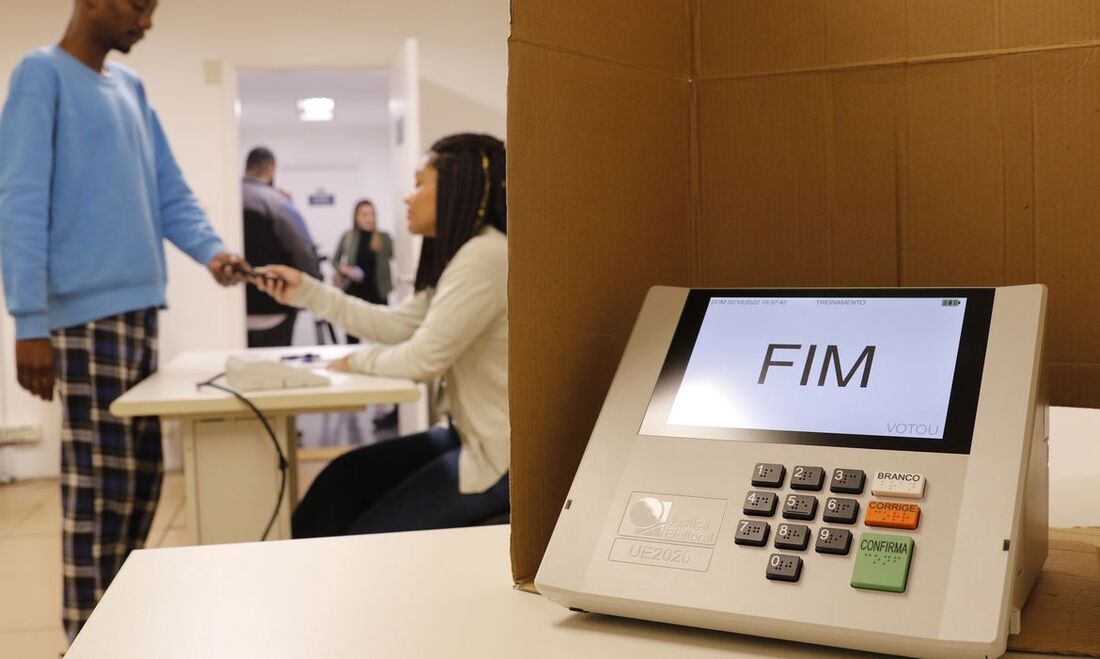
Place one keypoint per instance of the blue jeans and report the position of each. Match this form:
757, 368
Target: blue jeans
404, 484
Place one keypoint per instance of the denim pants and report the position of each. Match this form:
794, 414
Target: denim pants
404, 484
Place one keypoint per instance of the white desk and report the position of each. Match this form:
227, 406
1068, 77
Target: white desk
425, 594
230, 468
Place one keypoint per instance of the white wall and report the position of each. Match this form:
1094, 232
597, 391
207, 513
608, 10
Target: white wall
305, 160
187, 62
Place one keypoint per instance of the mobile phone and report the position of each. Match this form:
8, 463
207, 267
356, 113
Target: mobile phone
248, 271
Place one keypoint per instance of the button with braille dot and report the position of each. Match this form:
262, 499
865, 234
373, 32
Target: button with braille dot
782, 567
807, 478
840, 511
766, 474
882, 562
893, 515
799, 506
847, 481
760, 504
792, 536
751, 532
833, 541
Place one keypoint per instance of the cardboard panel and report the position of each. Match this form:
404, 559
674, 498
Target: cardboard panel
865, 175
1067, 190
658, 37
763, 180
1015, 100
1043, 22
953, 220
1074, 385
605, 212
557, 410
749, 36
941, 27
864, 31
599, 173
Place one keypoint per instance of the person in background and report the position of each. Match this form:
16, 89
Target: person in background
299, 221
363, 258
362, 263
89, 190
271, 235
454, 327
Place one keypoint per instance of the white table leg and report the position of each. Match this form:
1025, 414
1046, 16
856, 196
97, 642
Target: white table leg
232, 478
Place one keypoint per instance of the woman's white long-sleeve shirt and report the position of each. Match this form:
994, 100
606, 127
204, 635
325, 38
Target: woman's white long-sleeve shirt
458, 329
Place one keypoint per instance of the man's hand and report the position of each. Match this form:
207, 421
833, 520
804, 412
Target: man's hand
228, 269
34, 367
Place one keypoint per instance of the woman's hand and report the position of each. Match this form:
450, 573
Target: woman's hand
354, 273
279, 281
343, 364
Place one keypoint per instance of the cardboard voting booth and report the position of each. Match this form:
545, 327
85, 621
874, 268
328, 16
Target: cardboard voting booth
791, 143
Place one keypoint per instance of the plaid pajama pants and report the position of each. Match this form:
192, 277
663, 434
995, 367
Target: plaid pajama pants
111, 468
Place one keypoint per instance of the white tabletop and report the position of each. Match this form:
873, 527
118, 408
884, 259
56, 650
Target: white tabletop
424, 594
172, 390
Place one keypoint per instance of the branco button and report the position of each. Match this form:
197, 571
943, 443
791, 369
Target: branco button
893, 515
899, 484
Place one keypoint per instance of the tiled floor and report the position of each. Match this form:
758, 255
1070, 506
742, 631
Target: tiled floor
30, 561
30, 539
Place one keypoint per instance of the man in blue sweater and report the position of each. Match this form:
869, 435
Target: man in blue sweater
89, 190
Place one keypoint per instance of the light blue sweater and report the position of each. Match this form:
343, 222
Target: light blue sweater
89, 190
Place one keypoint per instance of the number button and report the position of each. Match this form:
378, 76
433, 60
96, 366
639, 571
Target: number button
768, 475
840, 511
752, 533
833, 541
784, 568
848, 481
799, 506
792, 536
807, 478
760, 504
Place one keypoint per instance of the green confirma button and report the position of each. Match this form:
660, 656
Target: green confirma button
882, 562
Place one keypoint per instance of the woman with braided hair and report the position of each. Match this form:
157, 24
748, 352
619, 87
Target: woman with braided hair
454, 328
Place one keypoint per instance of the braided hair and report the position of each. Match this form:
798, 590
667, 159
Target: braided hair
470, 195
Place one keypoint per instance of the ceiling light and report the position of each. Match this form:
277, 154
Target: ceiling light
316, 109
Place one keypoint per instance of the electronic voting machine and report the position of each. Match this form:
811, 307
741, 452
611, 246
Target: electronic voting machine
856, 468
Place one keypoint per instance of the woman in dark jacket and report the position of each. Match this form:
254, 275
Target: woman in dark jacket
363, 259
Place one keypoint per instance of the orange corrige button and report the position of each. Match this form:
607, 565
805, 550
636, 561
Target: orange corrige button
893, 515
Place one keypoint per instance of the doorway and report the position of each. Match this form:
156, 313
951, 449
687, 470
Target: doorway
340, 135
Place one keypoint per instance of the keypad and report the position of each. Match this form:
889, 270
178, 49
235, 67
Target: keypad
766, 474
807, 478
782, 567
792, 536
840, 511
882, 561
760, 504
753, 533
847, 481
833, 541
799, 506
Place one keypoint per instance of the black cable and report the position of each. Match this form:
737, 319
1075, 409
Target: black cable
283, 464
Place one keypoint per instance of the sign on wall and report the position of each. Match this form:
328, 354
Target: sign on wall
322, 198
